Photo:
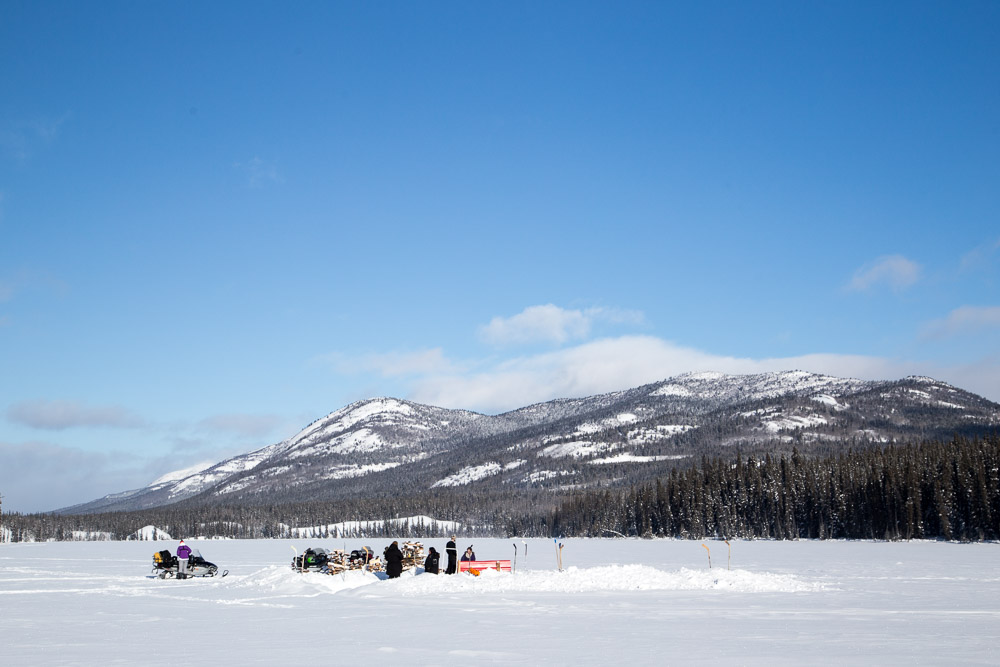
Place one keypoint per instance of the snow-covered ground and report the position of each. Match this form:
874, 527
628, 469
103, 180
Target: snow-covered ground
617, 602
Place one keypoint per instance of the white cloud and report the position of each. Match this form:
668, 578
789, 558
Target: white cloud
551, 324
964, 320
61, 415
607, 365
42, 476
980, 257
620, 363
896, 271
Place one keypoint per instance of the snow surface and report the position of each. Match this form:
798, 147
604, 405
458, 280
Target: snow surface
629, 602
773, 424
633, 458
661, 432
148, 533
673, 390
469, 475
344, 471
577, 449
177, 475
826, 399
542, 475
764, 385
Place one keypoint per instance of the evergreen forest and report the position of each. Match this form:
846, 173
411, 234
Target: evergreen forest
935, 490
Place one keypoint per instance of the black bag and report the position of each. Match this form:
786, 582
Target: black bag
164, 559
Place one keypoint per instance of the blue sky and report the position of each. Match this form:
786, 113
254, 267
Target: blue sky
220, 221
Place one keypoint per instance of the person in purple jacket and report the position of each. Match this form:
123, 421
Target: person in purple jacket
183, 553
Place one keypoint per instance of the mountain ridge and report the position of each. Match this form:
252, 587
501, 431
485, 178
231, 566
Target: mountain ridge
385, 445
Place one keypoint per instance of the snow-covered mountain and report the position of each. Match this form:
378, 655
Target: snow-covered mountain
386, 446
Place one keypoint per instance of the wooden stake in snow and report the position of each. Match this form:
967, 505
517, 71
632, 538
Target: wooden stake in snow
729, 563
709, 557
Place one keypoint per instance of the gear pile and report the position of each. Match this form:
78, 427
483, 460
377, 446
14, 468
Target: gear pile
337, 561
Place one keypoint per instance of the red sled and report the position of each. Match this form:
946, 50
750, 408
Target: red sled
477, 566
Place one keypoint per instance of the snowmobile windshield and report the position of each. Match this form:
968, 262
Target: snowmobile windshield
195, 553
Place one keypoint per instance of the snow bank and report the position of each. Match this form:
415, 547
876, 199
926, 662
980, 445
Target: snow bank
278, 582
605, 578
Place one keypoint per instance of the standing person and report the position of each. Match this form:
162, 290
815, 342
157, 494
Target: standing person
432, 562
452, 550
183, 553
393, 560
469, 554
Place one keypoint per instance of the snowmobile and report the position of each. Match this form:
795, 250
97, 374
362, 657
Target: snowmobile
336, 561
312, 560
361, 558
165, 565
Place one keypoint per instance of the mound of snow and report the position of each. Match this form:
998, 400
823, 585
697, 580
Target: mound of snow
274, 582
604, 578
150, 533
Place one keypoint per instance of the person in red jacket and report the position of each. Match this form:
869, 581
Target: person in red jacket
183, 553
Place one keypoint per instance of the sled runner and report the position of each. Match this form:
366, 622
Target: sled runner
165, 565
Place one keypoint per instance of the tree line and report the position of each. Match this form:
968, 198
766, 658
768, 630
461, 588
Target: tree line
947, 490
934, 490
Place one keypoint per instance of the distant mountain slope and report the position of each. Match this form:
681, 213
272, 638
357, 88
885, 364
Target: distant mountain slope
386, 446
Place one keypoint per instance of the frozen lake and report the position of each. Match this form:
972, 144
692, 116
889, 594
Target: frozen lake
622, 601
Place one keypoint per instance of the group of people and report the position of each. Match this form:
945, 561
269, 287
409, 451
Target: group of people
432, 565
393, 559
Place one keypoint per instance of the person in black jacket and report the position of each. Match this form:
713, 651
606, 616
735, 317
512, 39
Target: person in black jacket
393, 560
452, 550
431, 563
